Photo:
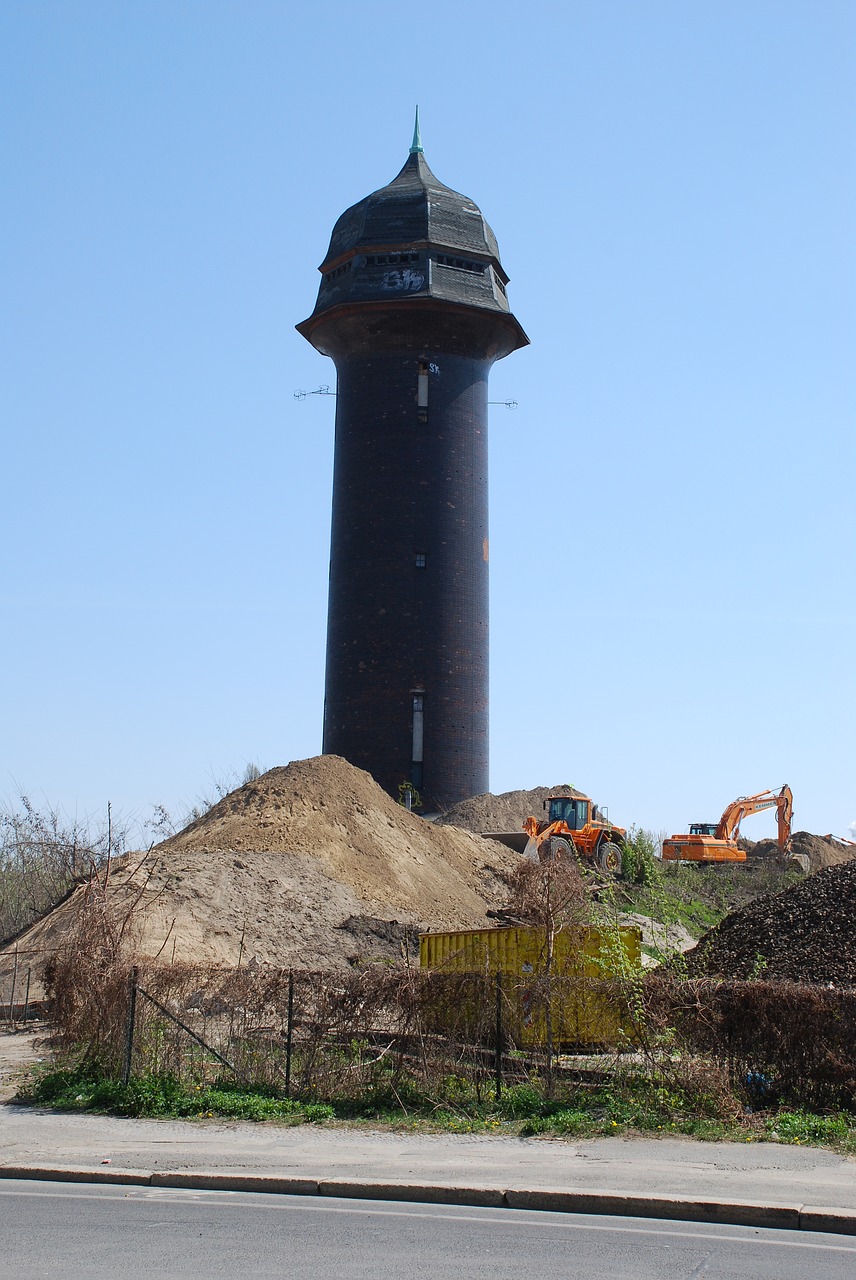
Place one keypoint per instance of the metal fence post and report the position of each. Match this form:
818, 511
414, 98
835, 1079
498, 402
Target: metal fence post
288, 1033
498, 1055
132, 1013
14, 984
27, 998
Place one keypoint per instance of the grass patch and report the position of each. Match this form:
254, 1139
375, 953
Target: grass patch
165, 1096
803, 1128
698, 897
640, 1107
633, 1107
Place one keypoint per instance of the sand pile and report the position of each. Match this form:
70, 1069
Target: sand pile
311, 865
821, 851
505, 812
806, 933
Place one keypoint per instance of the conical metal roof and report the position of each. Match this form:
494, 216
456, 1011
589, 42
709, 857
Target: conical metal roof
414, 209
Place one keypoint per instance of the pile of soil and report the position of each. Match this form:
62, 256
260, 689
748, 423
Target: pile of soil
505, 812
821, 851
806, 933
311, 865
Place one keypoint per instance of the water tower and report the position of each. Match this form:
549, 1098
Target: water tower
413, 310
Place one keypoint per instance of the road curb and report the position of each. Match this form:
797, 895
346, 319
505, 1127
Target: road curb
416, 1192
675, 1208
273, 1183
840, 1222
39, 1173
743, 1213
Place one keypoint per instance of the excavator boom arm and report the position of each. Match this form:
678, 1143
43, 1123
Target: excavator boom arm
782, 801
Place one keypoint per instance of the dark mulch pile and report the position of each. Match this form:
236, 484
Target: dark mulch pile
806, 933
377, 939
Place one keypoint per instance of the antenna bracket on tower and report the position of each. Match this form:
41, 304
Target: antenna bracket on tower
321, 391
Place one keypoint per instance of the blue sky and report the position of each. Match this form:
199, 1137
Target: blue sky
672, 531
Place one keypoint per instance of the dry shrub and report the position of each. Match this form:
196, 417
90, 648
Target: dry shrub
44, 854
353, 1033
381, 1032
87, 977
552, 895
778, 1041
41, 859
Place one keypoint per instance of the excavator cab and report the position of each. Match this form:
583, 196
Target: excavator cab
702, 828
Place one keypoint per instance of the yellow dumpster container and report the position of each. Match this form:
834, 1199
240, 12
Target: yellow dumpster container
579, 982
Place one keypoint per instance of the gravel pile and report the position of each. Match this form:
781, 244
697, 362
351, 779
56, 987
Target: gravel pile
806, 933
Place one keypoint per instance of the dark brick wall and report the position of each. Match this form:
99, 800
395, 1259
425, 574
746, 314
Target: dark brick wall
407, 482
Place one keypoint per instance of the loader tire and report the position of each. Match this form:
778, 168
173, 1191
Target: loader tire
609, 858
558, 848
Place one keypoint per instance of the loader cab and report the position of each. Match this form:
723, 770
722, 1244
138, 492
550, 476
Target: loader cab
702, 828
572, 810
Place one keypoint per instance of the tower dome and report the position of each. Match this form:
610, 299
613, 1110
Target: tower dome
414, 239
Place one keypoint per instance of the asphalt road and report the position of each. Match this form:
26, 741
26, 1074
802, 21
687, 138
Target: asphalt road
78, 1231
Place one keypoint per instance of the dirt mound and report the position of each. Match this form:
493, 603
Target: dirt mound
505, 812
301, 867
821, 851
806, 933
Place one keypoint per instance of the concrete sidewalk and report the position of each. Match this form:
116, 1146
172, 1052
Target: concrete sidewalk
759, 1184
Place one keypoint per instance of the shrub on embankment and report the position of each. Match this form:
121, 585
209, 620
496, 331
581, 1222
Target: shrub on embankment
778, 1042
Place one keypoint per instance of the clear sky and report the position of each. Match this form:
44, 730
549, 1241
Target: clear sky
672, 510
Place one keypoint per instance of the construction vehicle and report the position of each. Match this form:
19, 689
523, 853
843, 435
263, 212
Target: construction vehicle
576, 826
717, 841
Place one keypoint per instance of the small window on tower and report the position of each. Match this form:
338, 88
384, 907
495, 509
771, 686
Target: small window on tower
422, 386
420, 559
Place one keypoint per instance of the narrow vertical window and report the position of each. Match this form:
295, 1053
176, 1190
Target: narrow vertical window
418, 736
420, 559
422, 386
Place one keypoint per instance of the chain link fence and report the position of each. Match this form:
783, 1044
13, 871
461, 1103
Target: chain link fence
384, 1035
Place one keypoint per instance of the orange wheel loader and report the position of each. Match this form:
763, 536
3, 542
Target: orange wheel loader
576, 825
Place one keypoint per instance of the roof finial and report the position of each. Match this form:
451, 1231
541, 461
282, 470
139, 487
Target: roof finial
416, 145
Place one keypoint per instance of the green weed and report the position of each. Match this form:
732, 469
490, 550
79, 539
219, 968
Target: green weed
164, 1095
800, 1127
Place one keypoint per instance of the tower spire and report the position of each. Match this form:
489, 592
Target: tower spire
416, 144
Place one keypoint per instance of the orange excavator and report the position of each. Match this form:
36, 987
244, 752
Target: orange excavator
717, 842
575, 825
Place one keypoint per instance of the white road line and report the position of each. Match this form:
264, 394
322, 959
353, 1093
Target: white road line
284, 1201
